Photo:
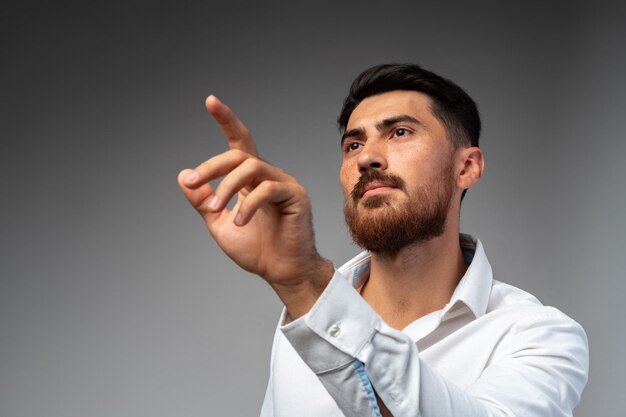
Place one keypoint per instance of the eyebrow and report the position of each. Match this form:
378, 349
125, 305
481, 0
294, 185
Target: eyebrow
352, 133
403, 118
380, 126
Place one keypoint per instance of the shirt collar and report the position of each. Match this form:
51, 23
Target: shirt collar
473, 290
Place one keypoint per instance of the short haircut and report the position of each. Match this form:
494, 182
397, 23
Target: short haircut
454, 108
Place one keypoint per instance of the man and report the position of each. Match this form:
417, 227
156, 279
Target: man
416, 325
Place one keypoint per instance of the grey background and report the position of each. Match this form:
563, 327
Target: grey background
113, 299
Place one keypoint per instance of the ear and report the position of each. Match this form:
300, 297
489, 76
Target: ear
470, 166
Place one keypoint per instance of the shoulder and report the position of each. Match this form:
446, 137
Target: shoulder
508, 299
530, 326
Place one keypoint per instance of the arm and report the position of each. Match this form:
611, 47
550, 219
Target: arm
538, 370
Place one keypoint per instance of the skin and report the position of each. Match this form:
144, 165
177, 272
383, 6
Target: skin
269, 231
419, 279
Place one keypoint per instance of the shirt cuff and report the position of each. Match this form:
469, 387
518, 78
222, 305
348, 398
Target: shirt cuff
336, 328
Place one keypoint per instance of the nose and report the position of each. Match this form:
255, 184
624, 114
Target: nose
372, 156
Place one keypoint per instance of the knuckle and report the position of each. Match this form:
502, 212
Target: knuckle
270, 186
253, 164
302, 194
289, 178
300, 190
238, 153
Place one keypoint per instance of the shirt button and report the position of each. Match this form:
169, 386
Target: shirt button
334, 330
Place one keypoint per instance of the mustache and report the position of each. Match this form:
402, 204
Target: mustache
370, 176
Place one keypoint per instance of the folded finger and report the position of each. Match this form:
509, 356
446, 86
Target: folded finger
249, 174
267, 192
215, 167
197, 195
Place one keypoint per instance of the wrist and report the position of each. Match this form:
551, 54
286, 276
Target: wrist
299, 297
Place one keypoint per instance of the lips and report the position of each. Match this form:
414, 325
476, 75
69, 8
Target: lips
376, 187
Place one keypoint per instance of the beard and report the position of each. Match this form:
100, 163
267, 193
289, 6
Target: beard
384, 228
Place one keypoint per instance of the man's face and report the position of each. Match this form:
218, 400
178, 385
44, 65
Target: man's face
397, 172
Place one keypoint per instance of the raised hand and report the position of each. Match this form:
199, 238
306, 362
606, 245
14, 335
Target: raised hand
269, 230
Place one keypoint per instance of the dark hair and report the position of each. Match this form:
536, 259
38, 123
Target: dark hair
450, 104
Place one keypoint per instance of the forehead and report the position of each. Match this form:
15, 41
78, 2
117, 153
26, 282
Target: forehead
393, 103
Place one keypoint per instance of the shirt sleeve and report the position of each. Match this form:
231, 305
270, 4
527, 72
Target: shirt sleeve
354, 353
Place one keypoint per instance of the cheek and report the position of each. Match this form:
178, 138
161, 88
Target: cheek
418, 162
346, 180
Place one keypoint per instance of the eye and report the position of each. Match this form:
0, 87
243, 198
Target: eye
400, 132
352, 146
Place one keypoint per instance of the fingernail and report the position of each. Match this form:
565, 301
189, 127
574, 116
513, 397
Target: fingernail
238, 219
191, 177
214, 202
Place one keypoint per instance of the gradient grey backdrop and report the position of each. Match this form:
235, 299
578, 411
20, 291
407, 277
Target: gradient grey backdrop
113, 299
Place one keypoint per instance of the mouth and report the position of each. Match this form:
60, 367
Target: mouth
375, 188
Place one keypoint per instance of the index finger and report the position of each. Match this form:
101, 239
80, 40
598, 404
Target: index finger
238, 135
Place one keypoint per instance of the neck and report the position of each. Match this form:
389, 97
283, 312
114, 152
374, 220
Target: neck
416, 281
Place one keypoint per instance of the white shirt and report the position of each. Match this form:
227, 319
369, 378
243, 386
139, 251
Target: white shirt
493, 350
